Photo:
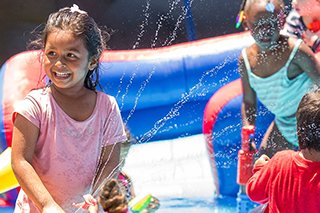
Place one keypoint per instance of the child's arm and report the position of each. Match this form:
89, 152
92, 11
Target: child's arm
249, 102
25, 136
257, 184
312, 39
306, 60
110, 155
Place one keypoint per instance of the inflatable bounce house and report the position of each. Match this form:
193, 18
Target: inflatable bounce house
162, 93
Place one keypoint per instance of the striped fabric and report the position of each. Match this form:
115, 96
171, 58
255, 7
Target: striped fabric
281, 95
294, 25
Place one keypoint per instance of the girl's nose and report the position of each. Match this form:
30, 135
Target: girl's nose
59, 63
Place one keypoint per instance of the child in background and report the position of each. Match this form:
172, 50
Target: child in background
276, 69
66, 136
290, 181
116, 194
303, 22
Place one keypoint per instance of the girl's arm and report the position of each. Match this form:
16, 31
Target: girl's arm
306, 60
249, 101
25, 136
109, 163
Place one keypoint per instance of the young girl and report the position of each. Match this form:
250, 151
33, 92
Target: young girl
276, 69
304, 22
65, 137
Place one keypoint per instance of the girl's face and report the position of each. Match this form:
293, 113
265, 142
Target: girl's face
66, 59
307, 7
264, 26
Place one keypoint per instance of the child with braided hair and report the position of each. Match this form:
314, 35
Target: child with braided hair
278, 70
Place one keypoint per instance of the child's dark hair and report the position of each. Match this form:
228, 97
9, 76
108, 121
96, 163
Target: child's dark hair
82, 25
111, 197
308, 121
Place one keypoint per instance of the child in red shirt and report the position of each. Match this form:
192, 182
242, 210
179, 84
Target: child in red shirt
290, 181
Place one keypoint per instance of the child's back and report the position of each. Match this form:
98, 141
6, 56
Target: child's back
290, 181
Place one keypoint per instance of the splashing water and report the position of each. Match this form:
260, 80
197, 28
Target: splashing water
177, 106
181, 17
161, 19
174, 111
127, 90
167, 43
145, 22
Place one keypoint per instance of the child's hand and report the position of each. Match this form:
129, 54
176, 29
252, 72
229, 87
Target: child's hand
112, 199
153, 205
263, 160
309, 37
90, 204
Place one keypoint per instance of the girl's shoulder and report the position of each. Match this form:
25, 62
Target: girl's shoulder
106, 96
301, 47
38, 94
106, 99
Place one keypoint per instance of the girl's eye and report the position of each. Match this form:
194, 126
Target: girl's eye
51, 54
71, 55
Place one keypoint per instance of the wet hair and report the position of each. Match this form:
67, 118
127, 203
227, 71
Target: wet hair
308, 121
81, 25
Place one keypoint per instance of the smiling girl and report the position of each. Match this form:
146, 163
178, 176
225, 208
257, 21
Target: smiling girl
66, 136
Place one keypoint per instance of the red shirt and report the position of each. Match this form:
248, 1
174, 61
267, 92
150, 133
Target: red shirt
288, 182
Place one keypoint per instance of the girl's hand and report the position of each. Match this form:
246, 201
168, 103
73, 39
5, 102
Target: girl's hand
90, 204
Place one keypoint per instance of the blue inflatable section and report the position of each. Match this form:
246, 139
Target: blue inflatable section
163, 98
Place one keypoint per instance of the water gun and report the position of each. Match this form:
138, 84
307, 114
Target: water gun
246, 155
139, 203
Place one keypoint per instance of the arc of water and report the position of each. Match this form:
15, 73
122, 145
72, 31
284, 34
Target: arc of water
177, 106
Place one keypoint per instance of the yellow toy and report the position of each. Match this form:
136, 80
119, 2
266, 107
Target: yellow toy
8, 180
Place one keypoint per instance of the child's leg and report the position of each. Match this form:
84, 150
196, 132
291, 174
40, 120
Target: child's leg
273, 142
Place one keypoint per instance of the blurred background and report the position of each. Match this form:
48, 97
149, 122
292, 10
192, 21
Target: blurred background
136, 23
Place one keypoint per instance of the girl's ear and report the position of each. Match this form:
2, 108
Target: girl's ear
245, 25
93, 63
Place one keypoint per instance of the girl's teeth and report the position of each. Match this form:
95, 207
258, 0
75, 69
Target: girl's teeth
62, 74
